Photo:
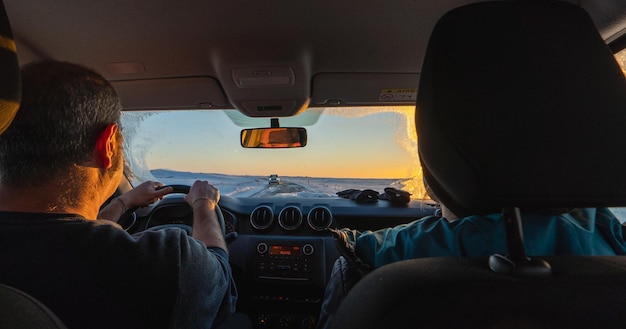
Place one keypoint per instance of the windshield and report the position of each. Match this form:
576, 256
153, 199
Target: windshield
348, 148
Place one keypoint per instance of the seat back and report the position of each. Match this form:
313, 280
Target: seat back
10, 87
583, 292
19, 310
521, 104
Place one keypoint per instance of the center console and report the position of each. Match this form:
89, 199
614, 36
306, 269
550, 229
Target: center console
284, 280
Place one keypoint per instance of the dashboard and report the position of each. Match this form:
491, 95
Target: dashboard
281, 252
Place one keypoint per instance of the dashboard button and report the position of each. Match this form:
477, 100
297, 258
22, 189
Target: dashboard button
262, 248
308, 249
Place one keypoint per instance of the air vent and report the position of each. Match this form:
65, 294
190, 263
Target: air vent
290, 218
320, 218
230, 221
262, 217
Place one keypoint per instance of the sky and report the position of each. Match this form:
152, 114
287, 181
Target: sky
342, 143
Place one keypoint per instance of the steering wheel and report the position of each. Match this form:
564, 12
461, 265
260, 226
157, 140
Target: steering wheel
184, 189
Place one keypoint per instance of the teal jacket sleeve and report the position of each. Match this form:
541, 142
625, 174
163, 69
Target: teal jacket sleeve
430, 237
588, 231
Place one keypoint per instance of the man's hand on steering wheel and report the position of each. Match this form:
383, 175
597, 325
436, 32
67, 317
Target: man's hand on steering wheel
202, 191
145, 194
142, 195
208, 227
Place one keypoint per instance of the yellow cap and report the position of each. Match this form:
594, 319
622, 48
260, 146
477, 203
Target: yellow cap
10, 82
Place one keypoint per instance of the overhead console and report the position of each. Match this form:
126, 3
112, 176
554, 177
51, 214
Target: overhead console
269, 91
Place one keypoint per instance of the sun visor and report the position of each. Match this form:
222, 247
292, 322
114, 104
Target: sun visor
171, 93
335, 89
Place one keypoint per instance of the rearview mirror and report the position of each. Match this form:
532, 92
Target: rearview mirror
273, 137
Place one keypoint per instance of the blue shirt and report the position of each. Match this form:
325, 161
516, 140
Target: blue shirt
588, 231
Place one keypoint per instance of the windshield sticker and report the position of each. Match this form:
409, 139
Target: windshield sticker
398, 95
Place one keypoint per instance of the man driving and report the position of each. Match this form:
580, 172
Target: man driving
60, 160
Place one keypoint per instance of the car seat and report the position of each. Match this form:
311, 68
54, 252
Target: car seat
19, 310
521, 105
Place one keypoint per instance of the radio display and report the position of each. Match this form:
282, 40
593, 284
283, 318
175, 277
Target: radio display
285, 250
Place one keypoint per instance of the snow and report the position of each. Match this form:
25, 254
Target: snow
244, 186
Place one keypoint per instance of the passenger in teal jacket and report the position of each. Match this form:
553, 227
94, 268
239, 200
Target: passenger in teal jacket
588, 231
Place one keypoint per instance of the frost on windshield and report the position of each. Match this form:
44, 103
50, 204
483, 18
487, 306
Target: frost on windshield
348, 148
136, 145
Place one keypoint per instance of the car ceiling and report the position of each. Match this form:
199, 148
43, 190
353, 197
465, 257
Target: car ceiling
265, 58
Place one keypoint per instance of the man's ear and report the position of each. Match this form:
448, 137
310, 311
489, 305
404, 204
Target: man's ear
105, 146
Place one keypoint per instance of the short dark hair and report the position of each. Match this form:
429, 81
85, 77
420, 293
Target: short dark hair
64, 108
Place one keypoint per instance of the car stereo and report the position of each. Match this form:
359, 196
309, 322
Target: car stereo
288, 261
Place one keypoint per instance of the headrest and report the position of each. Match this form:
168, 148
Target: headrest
521, 104
10, 86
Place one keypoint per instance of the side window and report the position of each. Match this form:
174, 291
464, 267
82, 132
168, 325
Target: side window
620, 213
621, 59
